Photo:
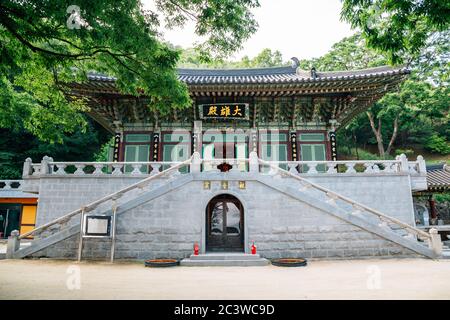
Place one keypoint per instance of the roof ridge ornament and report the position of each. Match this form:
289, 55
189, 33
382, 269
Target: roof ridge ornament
295, 62
313, 73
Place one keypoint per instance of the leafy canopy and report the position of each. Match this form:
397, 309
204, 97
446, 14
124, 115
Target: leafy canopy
420, 106
400, 28
43, 47
190, 58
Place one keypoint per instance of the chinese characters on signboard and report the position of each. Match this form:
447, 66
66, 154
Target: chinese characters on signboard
224, 111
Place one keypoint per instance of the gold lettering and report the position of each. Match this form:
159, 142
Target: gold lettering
237, 111
212, 111
225, 111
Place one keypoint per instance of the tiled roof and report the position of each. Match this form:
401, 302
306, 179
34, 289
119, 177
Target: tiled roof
438, 177
277, 75
268, 75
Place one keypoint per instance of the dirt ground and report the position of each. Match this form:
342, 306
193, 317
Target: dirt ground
349, 279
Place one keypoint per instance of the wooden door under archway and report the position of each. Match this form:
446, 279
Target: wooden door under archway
225, 224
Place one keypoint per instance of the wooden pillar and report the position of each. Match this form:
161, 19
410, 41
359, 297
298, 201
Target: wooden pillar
333, 147
294, 153
156, 142
116, 154
432, 208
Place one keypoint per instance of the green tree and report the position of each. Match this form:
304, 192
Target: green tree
400, 28
190, 58
81, 146
416, 112
351, 53
266, 58
46, 44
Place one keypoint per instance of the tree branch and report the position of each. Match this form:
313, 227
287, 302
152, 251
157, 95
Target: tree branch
377, 133
394, 136
190, 14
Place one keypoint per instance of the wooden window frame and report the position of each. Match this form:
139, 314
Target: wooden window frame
162, 143
124, 144
325, 142
287, 142
223, 133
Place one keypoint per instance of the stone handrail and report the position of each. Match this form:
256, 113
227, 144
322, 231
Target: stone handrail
400, 165
10, 185
113, 196
358, 207
341, 166
50, 167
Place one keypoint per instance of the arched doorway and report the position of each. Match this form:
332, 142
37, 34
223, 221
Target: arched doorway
225, 224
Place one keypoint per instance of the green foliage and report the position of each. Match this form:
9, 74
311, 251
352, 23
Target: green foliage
190, 58
420, 105
438, 144
407, 152
400, 28
360, 154
103, 154
442, 197
6, 170
266, 58
225, 23
39, 54
79, 146
351, 53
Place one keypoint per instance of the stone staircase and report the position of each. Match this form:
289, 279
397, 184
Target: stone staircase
124, 200
352, 212
303, 190
224, 259
446, 250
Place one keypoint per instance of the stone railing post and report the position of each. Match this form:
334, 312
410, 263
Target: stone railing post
253, 162
13, 244
404, 167
196, 162
422, 168
436, 243
27, 169
45, 166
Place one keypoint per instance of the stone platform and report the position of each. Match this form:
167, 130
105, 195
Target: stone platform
224, 259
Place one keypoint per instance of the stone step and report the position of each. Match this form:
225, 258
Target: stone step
445, 254
2, 256
225, 256
224, 263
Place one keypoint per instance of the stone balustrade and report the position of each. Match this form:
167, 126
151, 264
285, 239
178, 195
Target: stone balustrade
336, 167
10, 185
50, 167
400, 165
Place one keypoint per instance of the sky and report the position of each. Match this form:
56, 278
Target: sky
297, 28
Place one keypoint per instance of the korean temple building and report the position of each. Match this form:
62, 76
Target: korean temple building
252, 161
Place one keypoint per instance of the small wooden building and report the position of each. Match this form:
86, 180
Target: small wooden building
17, 208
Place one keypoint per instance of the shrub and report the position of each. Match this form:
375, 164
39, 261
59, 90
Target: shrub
407, 152
442, 197
438, 144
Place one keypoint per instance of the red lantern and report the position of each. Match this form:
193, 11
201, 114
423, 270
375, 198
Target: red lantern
196, 249
253, 248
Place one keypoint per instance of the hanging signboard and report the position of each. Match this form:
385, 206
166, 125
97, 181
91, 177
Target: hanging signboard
224, 111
